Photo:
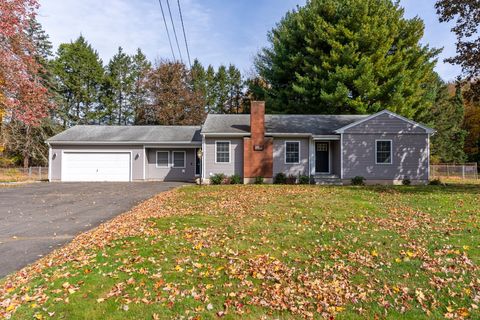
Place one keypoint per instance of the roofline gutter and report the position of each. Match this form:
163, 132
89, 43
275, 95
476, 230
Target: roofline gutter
75, 143
286, 135
217, 134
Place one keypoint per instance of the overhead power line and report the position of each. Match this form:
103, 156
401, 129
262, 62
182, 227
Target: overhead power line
184, 34
174, 31
166, 28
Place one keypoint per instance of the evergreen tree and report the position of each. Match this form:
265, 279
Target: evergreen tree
235, 84
211, 94
446, 117
138, 98
40, 39
199, 80
120, 86
221, 90
347, 56
79, 75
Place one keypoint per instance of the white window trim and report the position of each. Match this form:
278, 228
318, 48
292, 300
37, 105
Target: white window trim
168, 160
285, 152
184, 159
229, 151
391, 151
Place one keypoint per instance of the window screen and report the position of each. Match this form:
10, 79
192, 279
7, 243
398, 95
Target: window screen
162, 159
292, 152
179, 159
223, 151
384, 151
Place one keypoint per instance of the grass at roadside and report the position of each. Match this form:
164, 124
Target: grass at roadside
267, 251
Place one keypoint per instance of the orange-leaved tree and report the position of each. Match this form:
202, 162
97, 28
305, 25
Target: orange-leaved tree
22, 96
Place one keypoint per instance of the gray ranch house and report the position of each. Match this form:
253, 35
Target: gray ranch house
384, 148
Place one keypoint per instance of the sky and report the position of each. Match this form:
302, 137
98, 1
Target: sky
218, 31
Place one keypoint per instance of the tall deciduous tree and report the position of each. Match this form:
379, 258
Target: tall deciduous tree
172, 95
79, 75
472, 125
26, 143
22, 95
347, 56
466, 14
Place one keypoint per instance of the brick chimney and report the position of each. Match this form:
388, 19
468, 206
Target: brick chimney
257, 124
257, 149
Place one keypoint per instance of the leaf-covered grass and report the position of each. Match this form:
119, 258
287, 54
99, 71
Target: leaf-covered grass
268, 251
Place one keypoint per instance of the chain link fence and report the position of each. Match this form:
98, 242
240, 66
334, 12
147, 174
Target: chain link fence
467, 171
23, 174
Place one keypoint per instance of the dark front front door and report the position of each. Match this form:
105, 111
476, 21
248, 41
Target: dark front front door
322, 157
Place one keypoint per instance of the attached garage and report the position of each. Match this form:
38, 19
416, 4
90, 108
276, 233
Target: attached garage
96, 166
91, 153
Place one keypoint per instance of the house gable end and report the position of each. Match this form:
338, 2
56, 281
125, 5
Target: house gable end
386, 122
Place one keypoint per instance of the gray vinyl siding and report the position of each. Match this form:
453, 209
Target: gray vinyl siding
236, 158
279, 164
335, 156
385, 123
170, 174
409, 156
56, 157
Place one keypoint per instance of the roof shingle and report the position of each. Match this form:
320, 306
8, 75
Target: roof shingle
279, 124
125, 134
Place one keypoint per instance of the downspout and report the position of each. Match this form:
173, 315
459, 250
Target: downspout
49, 162
204, 156
341, 156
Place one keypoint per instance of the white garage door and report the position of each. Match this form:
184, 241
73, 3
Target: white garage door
96, 166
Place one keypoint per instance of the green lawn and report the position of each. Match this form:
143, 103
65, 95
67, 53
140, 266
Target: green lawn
268, 251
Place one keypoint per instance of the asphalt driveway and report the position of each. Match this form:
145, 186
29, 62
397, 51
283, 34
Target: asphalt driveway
37, 218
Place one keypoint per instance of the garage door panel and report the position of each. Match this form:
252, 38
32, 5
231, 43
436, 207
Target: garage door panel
96, 166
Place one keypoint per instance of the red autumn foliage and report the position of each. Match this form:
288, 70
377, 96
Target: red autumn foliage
21, 93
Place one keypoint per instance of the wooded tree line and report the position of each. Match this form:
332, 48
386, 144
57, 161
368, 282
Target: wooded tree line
327, 57
128, 90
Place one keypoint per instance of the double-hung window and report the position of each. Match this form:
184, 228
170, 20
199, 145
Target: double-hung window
222, 152
163, 159
179, 159
383, 152
292, 152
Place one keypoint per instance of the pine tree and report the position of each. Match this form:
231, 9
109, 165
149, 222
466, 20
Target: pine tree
138, 98
235, 84
221, 90
199, 81
347, 56
121, 80
446, 117
79, 76
42, 52
211, 91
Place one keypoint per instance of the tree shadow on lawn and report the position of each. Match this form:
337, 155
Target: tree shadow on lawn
429, 189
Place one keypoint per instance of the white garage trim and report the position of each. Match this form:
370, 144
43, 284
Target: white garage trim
49, 163
129, 152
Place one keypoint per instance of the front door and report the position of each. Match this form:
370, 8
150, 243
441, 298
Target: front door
322, 157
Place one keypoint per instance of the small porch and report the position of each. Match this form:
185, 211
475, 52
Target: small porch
325, 159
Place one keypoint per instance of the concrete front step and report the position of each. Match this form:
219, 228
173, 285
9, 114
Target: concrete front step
328, 179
